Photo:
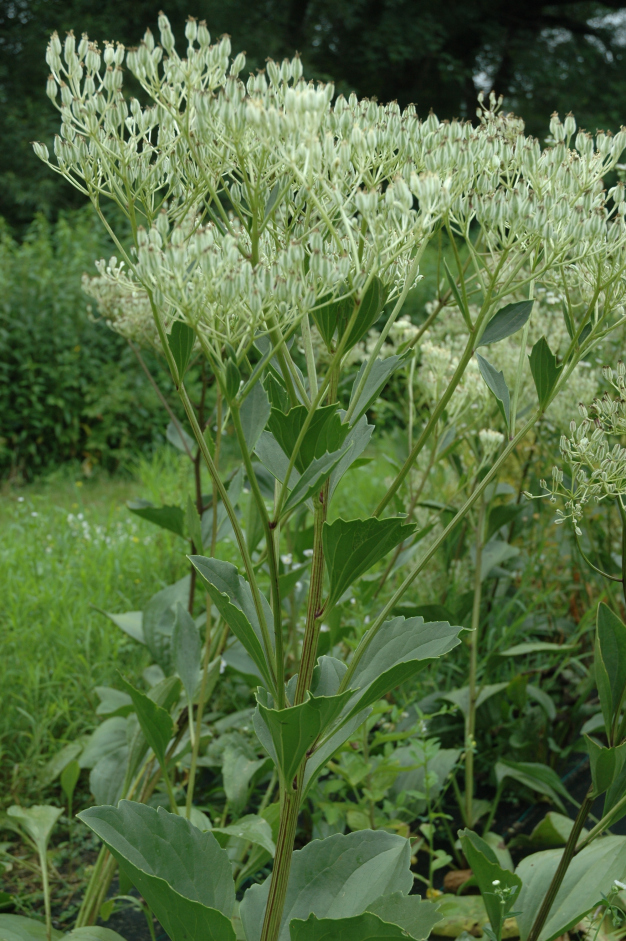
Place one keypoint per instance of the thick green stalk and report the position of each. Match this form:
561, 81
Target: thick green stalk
43, 861
470, 720
314, 609
559, 875
200, 709
290, 796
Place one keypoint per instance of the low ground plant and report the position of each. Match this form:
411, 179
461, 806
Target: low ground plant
275, 235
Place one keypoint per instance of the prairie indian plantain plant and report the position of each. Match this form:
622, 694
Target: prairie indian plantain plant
268, 211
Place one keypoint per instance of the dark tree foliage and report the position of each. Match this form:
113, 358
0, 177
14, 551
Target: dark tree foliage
541, 56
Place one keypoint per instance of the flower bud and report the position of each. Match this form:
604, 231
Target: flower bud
204, 36
167, 36
191, 29
42, 151
51, 88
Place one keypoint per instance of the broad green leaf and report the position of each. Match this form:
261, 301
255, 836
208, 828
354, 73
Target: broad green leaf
606, 765
294, 731
186, 650
156, 724
610, 663
413, 914
327, 676
180, 439
370, 308
497, 386
313, 479
158, 621
252, 829
427, 772
325, 433
553, 830
37, 822
232, 596
254, 413
194, 525
461, 698
494, 553
484, 864
131, 622
544, 369
590, 875
334, 878
502, 515
93, 933
232, 379
113, 702
20, 928
171, 518
539, 778
329, 315
465, 913
69, 779
401, 648
180, 341
62, 758
534, 646
108, 775
183, 874
109, 736
355, 443
325, 751
506, 322
365, 927
274, 458
351, 547
238, 771
377, 379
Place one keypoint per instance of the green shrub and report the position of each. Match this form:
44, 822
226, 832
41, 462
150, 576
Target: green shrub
69, 387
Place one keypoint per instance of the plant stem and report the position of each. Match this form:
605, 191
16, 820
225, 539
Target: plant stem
290, 794
559, 875
43, 861
200, 709
470, 722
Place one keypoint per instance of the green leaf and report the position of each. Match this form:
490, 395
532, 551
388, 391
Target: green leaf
158, 621
456, 294
502, 515
37, 822
254, 413
334, 878
325, 433
171, 518
186, 650
328, 316
106, 739
293, 731
93, 933
461, 698
506, 322
180, 341
351, 547
19, 928
539, 778
169, 861
412, 913
194, 525
590, 876
69, 778
252, 829
365, 927
484, 864
534, 646
156, 724
325, 751
113, 702
606, 765
355, 443
544, 369
232, 596
370, 308
313, 479
610, 664
232, 379
553, 830
238, 771
401, 648
274, 458
180, 439
497, 386
131, 622
377, 379
62, 758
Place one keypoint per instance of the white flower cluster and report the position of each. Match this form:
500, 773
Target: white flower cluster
252, 202
597, 465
